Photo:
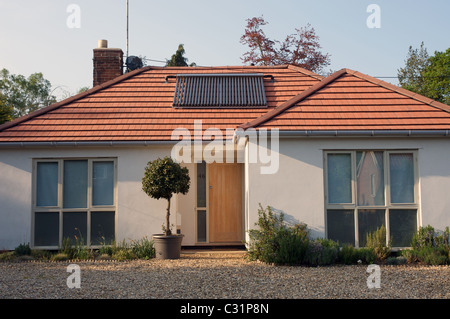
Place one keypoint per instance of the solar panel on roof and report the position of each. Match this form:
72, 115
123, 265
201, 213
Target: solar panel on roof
220, 90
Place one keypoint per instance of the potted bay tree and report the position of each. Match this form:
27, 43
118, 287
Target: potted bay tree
163, 178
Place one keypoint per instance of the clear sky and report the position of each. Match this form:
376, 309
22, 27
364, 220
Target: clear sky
37, 35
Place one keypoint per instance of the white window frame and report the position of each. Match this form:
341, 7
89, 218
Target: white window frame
387, 204
61, 210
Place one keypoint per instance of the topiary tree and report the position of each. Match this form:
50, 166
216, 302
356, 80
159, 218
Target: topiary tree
162, 179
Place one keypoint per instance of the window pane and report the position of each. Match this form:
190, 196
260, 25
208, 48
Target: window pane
401, 178
102, 228
75, 184
370, 178
339, 178
201, 226
368, 221
201, 184
47, 184
46, 229
403, 225
341, 226
103, 183
74, 226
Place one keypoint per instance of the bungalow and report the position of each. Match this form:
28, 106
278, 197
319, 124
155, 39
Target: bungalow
344, 154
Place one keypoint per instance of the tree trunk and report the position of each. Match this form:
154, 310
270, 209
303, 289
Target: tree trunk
168, 232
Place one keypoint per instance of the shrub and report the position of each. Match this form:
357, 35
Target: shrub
399, 260
60, 257
293, 243
275, 242
366, 255
433, 255
41, 254
377, 241
348, 255
22, 250
429, 246
7, 256
143, 248
321, 252
123, 254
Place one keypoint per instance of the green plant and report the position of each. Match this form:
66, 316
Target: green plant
293, 244
376, 240
143, 248
429, 246
396, 260
366, 255
322, 252
7, 256
123, 254
348, 255
41, 254
275, 242
67, 247
433, 255
60, 257
162, 179
22, 250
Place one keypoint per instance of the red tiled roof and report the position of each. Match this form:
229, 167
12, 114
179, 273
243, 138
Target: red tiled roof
349, 100
138, 107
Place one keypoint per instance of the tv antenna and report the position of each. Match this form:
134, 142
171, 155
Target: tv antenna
127, 30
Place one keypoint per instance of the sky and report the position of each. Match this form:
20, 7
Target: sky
57, 37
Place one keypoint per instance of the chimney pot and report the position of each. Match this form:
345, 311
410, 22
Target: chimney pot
102, 44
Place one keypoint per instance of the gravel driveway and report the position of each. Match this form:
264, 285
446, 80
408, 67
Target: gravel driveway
223, 275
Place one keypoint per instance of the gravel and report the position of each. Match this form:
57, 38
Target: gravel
222, 275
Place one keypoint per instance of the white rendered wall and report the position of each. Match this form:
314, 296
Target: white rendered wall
297, 189
137, 214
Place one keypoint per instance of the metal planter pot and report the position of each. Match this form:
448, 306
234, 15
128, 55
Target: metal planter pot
167, 247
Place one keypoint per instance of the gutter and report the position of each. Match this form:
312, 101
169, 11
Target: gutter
84, 143
239, 134
349, 133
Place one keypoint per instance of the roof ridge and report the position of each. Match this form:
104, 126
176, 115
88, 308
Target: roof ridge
289, 103
305, 71
71, 99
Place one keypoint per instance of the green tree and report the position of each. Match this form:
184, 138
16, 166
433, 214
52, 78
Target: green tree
437, 75
178, 58
25, 95
6, 111
410, 77
162, 179
427, 75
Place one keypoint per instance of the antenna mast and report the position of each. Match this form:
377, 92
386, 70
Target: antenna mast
127, 28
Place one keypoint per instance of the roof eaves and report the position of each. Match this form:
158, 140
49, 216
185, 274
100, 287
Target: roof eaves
289, 103
71, 99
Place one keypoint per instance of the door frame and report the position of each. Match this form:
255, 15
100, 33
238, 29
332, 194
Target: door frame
207, 208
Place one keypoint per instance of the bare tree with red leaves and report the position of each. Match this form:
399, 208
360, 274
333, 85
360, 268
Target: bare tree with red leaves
301, 48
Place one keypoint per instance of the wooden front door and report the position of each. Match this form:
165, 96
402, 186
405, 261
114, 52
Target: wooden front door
225, 203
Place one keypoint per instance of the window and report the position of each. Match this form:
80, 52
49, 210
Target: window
201, 203
369, 189
73, 198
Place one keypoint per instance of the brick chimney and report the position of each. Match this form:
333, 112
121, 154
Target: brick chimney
108, 63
